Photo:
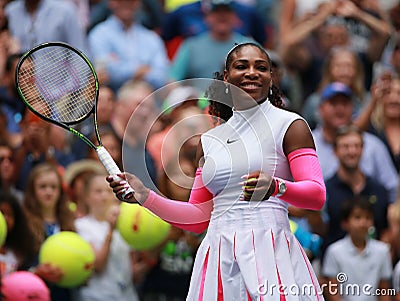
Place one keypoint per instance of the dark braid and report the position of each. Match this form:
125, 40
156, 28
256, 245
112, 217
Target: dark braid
221, 103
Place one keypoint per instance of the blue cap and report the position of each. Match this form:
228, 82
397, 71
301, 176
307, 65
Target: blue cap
334, 89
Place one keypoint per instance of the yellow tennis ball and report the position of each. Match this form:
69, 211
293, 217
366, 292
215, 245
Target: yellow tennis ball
3, 229
140, 228
72, 254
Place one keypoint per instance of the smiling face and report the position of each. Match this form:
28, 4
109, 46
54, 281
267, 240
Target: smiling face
248, 67
336, 112
349, 149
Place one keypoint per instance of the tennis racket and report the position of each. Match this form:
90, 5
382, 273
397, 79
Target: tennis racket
59, 84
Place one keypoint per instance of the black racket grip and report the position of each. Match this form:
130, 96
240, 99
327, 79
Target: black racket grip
112, 169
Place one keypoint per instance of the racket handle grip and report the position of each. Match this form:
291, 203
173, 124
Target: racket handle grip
112, 169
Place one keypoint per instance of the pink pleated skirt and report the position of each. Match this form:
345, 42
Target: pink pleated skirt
251, 254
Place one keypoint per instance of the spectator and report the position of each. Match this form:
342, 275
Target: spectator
344, 24
191, 61
8, 44
18, 251
11, 104
369, 30
336, 109
34, 22
8, 172
306, 41
36, 147
134, 115
118, 43
184, 119
294, 12
74, 179
150, 14
382, 115
188, 21
350, 181
113, 276
390, 59
344, 66
46, 208
363, 260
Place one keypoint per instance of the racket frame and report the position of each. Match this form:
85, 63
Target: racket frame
65, 125
103, 154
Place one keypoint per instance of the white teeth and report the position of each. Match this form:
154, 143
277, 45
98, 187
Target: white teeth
250, 85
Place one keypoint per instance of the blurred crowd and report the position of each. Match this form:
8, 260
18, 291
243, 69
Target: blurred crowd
337, 63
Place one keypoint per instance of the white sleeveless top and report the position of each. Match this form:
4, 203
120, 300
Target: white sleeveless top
251, 140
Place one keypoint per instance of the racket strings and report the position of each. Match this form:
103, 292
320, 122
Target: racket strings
58, 84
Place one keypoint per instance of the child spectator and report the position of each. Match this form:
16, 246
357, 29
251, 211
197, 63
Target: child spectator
74, 178
363, 261
113, 276
46, 207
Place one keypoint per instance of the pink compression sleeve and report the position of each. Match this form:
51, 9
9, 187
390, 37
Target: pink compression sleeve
193, 215
308, 189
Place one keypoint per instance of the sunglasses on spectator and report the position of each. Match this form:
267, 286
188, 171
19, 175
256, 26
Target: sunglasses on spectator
8, 158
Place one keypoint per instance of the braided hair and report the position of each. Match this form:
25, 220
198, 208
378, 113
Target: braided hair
221, 102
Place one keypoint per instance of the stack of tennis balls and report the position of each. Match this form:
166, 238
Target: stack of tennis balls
72, 254
140, 228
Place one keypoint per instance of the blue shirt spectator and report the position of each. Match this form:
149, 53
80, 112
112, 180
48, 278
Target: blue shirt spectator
375, 160
124, 51
51, 21
192, 61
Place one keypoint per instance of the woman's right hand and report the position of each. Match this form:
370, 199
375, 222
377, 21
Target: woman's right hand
119, 186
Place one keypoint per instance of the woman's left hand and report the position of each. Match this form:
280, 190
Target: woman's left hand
257, 186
